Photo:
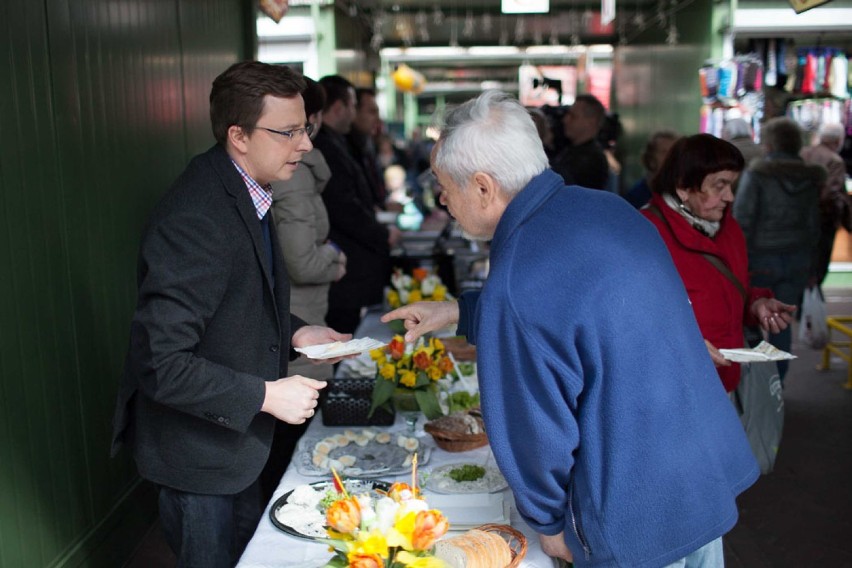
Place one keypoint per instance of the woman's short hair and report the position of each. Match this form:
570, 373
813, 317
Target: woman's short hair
236, 98
832, 132
782, 135
650, 152
693, 158
314, 95
492, 133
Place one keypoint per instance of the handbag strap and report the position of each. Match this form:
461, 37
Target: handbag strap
717, 262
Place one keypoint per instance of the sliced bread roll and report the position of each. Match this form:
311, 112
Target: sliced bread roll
474, 549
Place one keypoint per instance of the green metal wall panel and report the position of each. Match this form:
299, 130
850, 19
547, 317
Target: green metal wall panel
656, 85
104, 104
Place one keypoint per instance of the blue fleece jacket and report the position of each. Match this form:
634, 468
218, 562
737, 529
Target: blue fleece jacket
602, 406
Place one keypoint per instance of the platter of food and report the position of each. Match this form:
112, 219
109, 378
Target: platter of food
360, 453
458, 478
301, 512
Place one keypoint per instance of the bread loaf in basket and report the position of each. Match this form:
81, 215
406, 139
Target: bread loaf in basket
488, 546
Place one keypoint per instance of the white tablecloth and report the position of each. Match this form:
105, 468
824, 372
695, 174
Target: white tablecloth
272, 548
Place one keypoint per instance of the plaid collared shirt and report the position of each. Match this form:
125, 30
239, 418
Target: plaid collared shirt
261, 196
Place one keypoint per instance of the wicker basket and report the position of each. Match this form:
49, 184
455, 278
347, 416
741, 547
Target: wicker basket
455, 441
514, 538
346, 402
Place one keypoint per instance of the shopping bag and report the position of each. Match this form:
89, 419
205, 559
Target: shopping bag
813, 328
761, 407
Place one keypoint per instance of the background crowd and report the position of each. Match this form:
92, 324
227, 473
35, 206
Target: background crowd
738, 230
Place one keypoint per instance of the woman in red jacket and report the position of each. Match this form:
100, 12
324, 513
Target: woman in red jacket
690, 206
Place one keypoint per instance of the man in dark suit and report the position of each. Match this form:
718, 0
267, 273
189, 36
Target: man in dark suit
211, 335
351, 213
365, 126
583, 161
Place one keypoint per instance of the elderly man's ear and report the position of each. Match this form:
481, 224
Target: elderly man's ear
486, 188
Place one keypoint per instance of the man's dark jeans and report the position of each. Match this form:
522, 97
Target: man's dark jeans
209, 531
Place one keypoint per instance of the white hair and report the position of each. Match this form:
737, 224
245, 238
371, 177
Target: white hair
832, 132
736, 128
494, 134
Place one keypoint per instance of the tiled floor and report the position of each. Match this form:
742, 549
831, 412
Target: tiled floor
800, 514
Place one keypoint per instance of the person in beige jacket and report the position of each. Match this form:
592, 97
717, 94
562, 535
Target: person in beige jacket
313, 262
833, 202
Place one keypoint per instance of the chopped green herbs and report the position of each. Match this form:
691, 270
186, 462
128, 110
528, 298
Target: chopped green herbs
466, 472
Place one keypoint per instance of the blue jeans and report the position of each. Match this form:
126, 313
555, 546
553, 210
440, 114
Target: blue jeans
711, 555
786, 274
209, 531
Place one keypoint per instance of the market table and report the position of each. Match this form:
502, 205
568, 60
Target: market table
272, 548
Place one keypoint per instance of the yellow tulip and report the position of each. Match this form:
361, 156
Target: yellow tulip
393, 299
411, 561
403, 529
440, 293
415, 296
408, 378
373, 542
388, 370
435, 373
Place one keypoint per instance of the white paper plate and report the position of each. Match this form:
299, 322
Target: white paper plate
341, 348
762, 353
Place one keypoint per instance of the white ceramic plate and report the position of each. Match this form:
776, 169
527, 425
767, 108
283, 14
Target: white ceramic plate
440, 481
469, 511
341, 348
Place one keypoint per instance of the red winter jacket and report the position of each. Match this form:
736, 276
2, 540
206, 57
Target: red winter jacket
717, 303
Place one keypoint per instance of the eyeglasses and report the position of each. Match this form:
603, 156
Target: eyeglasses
294, 134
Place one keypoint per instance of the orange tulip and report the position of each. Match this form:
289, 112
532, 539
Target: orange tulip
344, 515
361, 560
422, 360
419, 274
400, 491
429, 526
445, 364
397, 347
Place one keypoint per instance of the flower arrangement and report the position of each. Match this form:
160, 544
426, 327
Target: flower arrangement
394, 531
414, 368
421, 285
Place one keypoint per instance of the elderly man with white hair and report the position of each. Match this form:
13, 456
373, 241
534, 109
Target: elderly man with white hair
602, 406
833, 201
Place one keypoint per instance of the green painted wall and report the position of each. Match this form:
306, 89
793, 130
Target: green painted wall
656, 85
102, 105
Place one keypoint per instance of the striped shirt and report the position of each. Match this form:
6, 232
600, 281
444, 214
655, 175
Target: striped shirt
261, 196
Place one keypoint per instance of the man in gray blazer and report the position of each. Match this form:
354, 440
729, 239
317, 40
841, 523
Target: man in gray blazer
211, 335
